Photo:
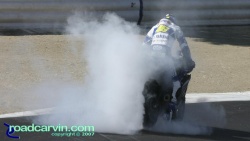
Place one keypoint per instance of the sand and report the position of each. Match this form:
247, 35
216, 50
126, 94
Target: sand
27, 61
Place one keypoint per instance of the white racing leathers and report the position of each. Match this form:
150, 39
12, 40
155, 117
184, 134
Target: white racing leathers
160, 39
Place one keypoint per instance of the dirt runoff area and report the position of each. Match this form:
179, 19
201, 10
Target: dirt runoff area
29, 60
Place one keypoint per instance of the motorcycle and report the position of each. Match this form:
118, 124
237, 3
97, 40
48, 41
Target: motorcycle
159, 104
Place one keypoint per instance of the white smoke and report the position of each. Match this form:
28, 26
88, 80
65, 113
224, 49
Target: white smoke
111, 97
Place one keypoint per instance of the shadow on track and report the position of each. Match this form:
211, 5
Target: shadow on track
230, 35
218, 134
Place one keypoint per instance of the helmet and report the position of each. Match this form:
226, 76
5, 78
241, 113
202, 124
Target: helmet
171, 18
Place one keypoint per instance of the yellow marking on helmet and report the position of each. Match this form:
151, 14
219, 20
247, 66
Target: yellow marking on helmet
162, 28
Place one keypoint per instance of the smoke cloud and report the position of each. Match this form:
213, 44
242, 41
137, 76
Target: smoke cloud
111, 97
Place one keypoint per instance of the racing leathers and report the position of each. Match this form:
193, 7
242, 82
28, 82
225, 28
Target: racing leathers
161, 37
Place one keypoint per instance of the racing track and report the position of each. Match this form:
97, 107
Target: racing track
237, 127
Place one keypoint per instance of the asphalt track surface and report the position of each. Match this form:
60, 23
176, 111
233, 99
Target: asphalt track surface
237, 128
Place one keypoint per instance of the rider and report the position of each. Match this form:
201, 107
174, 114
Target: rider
164, 34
